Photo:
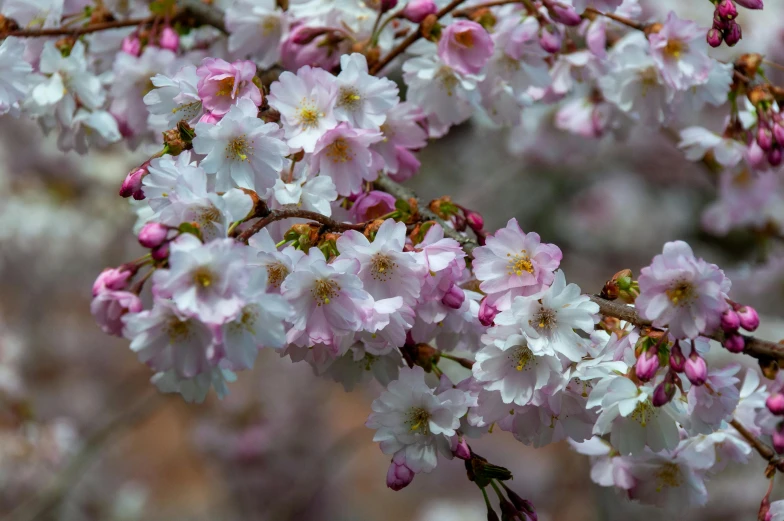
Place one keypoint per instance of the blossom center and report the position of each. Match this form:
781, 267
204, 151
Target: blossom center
520, 357
418, 420
681, 293
309, 115
448, 79
669, 475
238, 148
203, 277
644, 412
339, 151
544, 320
269, 25
225, 87
276, 273
349, 98
465, 38
382, 267
325, 290
209, 215
178, 330
519, 263
675, 48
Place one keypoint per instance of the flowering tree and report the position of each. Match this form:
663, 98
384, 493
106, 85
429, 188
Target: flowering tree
274, 218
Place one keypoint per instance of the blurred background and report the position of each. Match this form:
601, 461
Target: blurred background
84, 436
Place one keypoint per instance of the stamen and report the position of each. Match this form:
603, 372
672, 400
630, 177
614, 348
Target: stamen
324, 290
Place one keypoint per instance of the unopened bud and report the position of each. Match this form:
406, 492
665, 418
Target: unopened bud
677, 360
734, 343
417, 10
454, 297
647, 365
564, 14
487, 313
775, 404
751, 4
462, 450
399, 476
112, 279
132, 45
749, 319
695, 368
727, 10
764, 138
550, 39
775, 156
665, 391
730, 322
714, 37
778, 133
778, 438
153, 235
733, 34
169, 39
161, 252
386, 5
474, 220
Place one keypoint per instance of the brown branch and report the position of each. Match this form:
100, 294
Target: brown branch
767, 453
620, 19
411, 38
76, 31
290, 212
473, 8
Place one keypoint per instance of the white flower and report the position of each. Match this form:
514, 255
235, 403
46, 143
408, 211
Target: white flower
508, 365
162, 176
697, 141
385, 269
15, 75
360, 365
175, 98
241, 149
560, 416
607, 468
195, 389
713, 403
204, 280
363, 100
309, 193
279, 264
34, 13
549, 319
305, 102
343, 153
411, 418
670, 481
680, 52
97, 128
255, 28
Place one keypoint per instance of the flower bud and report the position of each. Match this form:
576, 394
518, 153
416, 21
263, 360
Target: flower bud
665, 391
755, 156
132, 185
161, 252
734, 343
751, 4
775, 156
550, 39
733, 34
775, 404
730, 322
564, 14
108, 308
372, 205
153, 235
764, 138
695, 368
112, 279
714, 37
462, 450
778, 133
647, 365
417, 10
677, 360
474, 220
749, 319
454, 297
169, 39
487, 313
386, 5
132, 45
209, 118
727, 10
778, 438
408, 165
399, 476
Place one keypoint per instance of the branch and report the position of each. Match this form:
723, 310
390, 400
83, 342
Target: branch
289, 212
76, 31
764, 450
204, 12
620, 19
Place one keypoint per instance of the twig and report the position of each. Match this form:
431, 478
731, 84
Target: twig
76, 31
620, 19
494, 3
294, 212
764, 450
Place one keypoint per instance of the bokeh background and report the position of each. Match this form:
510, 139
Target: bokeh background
84, 436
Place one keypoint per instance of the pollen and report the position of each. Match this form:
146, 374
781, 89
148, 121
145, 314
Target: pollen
308, 114
349, 98
178, 330
339, 151
324, 291
419, 420
465, 38
276, 274
518, 264
209, 215
269, 25
520, 357
681, 294
382, 267
644, 412
226, 87
247, 321
675, 48
203, 277
239, 148
448, 79
668, 476
544, 320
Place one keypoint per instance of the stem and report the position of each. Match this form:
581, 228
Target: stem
76, 31
620, 19
294, 212
766, 452
494, 3
411, 38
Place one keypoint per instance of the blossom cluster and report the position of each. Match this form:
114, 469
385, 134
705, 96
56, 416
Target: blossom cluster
266, 227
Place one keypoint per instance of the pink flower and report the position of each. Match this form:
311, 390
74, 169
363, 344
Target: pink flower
302, 48
680, 53
222, 83
465, 46
513, 263
343, 154
407, 165
683, 293
112, 279
417, 10
169, 39
109, 307
132, 185
372, 205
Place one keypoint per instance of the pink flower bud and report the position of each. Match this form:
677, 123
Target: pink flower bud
153, 235
417, 10
399, 476
775, 404
664, 392
751, 4
487, 313
778, 438
462, 450
677, 360
775, 156
778, 133
108, 308
730, 322
474, 220
169, 39
112, 279
209, 118
386, 5
695, 368
465, 46
714, 37
132, 45
408, 165
132, 185
734, 34
304, 35
454, 297
755, 156
749, 319
734, 343
372, 205
161, 252
564, 14
647, 365
764, 138
550, 39
727, 10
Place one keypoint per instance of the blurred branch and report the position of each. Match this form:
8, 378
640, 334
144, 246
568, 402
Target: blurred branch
763, 449
296, 213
